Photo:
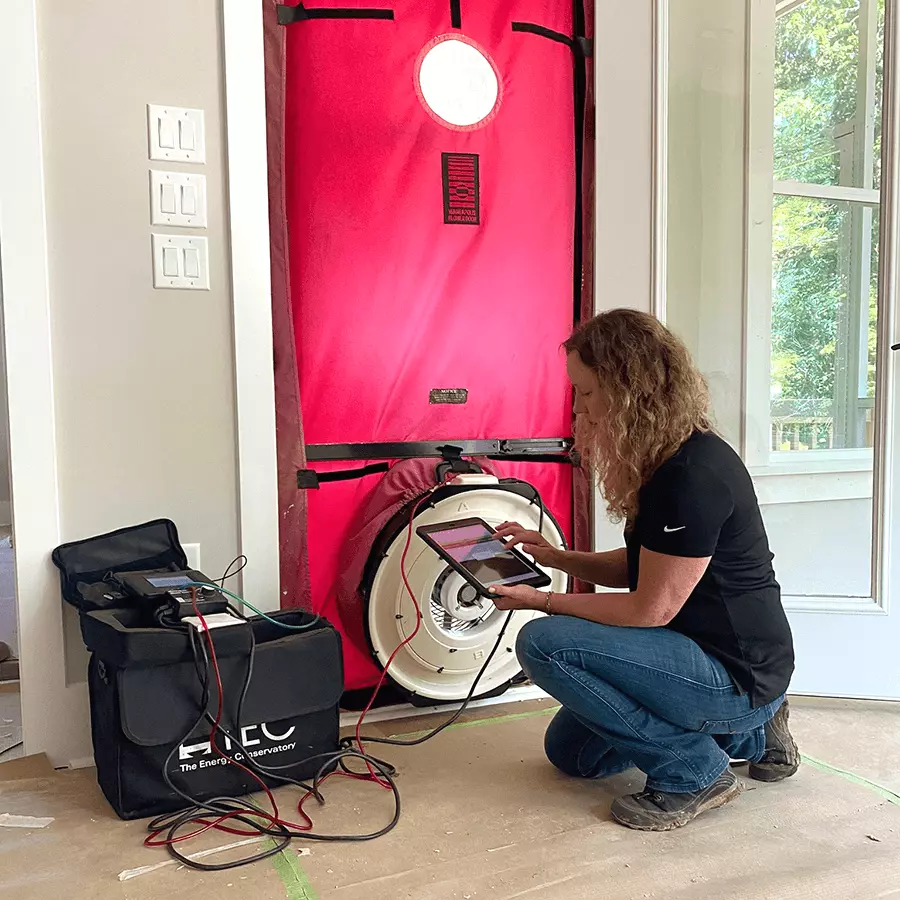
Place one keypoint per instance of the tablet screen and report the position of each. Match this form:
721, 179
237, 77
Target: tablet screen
484, 556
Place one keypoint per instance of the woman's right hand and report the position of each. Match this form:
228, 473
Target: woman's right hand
532, 542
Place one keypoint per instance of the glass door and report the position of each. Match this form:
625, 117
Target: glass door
781, 250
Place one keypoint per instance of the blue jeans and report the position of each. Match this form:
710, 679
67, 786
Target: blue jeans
646, 698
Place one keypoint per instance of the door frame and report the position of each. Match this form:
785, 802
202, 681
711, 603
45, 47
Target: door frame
53, 712
251, 279
842, 478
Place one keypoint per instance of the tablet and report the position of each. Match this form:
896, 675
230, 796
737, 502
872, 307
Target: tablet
471, 547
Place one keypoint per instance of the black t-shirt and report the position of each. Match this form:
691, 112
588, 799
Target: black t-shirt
700, 503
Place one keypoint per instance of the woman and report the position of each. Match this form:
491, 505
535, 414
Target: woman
689, 669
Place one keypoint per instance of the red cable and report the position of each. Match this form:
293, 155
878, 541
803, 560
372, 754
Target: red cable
151, 840
274, 817
384, 672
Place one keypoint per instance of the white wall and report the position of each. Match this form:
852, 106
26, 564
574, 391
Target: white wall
144, 379
5, 518
9, 632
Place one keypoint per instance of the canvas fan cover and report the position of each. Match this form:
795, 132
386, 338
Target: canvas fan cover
430, 198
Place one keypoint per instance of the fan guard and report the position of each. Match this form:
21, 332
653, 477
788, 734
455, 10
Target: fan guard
458, 629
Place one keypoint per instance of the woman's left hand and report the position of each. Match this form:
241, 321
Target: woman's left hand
518, 597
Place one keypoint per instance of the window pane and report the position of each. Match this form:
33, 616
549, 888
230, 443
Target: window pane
824, 318
828, 87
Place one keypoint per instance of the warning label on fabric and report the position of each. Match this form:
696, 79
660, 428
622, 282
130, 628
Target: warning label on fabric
462, 201
452, 396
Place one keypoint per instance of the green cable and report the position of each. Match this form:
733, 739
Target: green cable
235, 597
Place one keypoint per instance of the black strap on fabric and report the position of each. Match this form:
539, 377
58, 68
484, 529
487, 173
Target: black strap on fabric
580, 72
310, 480
453, 460
455, 14
316, 453
565, 459
288, 15
581, 46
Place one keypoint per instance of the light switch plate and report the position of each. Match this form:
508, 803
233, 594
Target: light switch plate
180, 262
176, 134
177, 198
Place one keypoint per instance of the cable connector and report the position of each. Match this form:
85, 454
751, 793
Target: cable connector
214, 620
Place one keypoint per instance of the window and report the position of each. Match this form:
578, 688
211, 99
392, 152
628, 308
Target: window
827, 145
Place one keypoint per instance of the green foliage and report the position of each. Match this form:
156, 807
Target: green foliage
817, 58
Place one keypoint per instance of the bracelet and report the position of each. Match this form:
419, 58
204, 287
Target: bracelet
549, 606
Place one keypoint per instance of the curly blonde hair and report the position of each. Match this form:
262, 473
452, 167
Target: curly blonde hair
656, 399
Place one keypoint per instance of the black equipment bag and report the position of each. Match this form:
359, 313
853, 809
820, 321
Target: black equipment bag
145, 688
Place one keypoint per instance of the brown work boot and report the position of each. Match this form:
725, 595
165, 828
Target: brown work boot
782, 758
659, 811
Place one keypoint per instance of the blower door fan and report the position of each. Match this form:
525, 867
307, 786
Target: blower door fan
459, 628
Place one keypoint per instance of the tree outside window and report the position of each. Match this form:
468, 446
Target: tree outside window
827, 137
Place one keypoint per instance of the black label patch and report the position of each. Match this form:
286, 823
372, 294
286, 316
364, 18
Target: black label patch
462, 201
449, 396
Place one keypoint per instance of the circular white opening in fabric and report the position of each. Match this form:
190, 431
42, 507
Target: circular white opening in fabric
458, 84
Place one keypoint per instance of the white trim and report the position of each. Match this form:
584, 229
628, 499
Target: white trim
660, 175
858, 606
834, 192
859, 459
248, 192
759, 200
783, 7
774, 488
408, 711
885, 509
54, 715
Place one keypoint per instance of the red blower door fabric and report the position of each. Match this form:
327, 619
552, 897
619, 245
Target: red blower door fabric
430, 185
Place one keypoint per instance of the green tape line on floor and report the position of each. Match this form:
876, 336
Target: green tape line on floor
296, 884
879, 789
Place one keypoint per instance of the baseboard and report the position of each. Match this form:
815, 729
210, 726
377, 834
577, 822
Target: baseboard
408, 711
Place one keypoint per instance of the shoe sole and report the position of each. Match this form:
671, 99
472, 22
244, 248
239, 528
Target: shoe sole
719, 800
773, 773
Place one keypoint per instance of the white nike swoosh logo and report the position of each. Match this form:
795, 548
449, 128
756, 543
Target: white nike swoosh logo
668, 530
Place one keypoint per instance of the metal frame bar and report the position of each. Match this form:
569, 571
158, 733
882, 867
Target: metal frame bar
537, 447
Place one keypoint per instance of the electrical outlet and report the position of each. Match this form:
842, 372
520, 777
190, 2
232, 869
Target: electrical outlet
192, 552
